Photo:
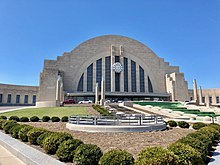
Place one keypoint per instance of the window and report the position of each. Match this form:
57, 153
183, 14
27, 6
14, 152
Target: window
9, 98
117, 82
117, 59
99, 72
1, 98
125, 74
90, 78
217, 99
191, 98
210, 99
108, 74
150, 87
26, 99
141, 75
203, 99
17, 99
80, 84
133, 76
34, 99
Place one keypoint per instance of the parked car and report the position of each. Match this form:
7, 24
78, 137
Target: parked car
85, 102
69, 101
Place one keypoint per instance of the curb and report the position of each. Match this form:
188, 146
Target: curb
25, 153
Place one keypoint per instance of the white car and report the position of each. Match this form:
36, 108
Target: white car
85, 102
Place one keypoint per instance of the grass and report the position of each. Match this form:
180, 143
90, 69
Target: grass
48, 111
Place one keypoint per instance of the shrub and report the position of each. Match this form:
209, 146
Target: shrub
16, 118
2, 122
45, 118
183, 124
51, 143
34, 119
24, 119
8, 125
23, 133
187, 155
33, 134
55, 119
15, 130
196, 144
198, 125
3, 117
101, 110
87, 154
212, 132
64, 119
172, 123
66, 149
42, 137
156, 156
115, 157
215, 125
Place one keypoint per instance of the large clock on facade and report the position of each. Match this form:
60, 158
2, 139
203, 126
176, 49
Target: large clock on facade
117, 67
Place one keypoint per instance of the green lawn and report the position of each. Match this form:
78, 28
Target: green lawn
49, 111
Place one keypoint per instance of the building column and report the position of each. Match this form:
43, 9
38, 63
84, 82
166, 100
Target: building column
122, 75
129, 75
112, 73
94, 76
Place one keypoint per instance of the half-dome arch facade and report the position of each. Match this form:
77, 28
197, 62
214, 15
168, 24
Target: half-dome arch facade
130, 69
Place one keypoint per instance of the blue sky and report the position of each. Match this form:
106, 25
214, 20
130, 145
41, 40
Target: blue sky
185, 33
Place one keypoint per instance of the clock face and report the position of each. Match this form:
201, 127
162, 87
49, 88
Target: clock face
117, 67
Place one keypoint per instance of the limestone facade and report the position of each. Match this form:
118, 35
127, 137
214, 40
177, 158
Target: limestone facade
131, 71
18, 94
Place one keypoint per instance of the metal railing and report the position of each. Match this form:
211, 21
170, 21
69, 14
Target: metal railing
116, 120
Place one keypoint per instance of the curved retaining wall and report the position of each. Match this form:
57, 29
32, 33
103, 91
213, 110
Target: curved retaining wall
114, 128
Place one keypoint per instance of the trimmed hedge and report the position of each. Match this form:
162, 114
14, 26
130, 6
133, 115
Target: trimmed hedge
15, 130
2, 122
33, 134
115, 157
8, 125
172, 123
198, 125
183, 124
156, 156
64, 119
52, 142
55, 119
34, 119
22, 134
45, 118
87, 154
187, 154
16, 118
3, 117
66, 149
42, 137
101, 110
24, 119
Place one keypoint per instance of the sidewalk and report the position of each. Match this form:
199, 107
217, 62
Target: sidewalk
7, 158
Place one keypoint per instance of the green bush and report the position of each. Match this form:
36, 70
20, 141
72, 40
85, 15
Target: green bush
55, 119
8, 125
172, 123
215, 125
101, 110
187, 154
34, 119
66, 149
2, 122
198, 125
87, 154
64, 119
156, 156
23, 133
42, 137
196, 144
33, 134
45, 118
15, 130
3, 117
52, 142
115, 157
24, 119
183, 124
212, 132
16, 118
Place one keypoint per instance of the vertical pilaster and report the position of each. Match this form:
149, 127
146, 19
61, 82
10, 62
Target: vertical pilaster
112, 72
129, 75
137, 78
94, 76
122, 75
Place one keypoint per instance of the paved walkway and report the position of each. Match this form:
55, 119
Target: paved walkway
4, 109
215, 159
7, 158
